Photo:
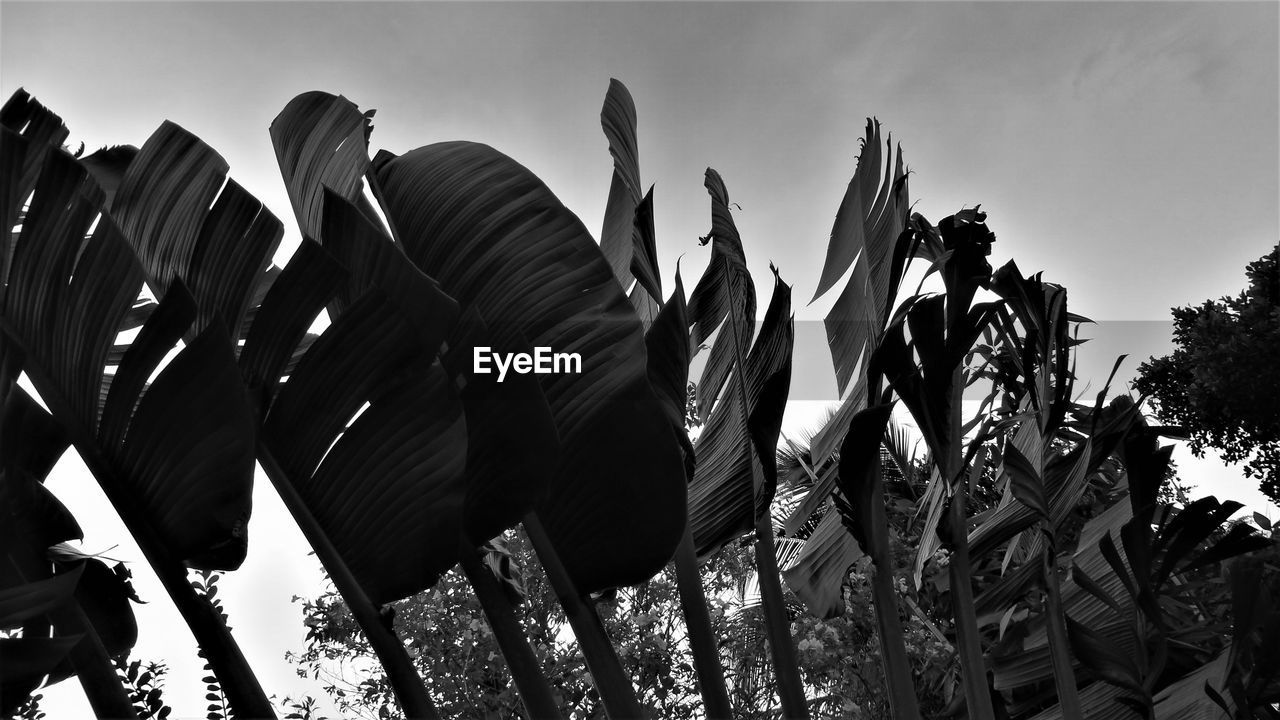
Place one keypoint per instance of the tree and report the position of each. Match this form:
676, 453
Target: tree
1222, 383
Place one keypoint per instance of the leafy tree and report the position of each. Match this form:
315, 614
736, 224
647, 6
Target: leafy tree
452, 643
1222, 383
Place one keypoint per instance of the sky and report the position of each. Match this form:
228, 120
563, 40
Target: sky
1131, 151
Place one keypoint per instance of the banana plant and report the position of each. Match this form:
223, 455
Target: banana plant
175, 457
478, 223
742, 395
627, 241
874, 235
220, 246
409, 447
861, 508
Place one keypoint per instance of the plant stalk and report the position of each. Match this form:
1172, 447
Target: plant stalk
408, 686
535, 692
968, 638
786, 667
1064, 676
783, 652
893, 649
616, 691
702, 639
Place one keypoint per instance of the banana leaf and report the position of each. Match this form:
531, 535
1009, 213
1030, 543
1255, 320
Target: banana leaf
495, 238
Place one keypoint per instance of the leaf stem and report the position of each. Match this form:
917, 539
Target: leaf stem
535, 692
702, 639
611, 681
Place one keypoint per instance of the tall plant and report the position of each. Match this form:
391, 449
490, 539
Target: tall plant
176, 462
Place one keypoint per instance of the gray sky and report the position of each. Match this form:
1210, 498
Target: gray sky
1129, 150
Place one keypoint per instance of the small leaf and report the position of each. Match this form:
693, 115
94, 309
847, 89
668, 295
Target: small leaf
1101, 655
1024, 481
1263, 521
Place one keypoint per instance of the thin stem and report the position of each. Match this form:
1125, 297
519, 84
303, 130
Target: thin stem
611, 681
408, 686
1064, 676
535, 691
702, 639
968, 638
893, 649
786, 667
783, 652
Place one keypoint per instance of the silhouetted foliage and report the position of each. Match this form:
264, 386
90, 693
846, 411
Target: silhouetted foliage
1222, 382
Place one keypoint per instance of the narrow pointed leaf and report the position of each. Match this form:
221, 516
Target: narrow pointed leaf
644, 261
618, 118
667, 345
726, 278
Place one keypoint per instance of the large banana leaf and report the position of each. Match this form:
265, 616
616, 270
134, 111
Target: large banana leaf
736, 475
44, 132
321, 142
495, 238
31, 519
409, 447
504, 447
511, 448
408, 450
177, 457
